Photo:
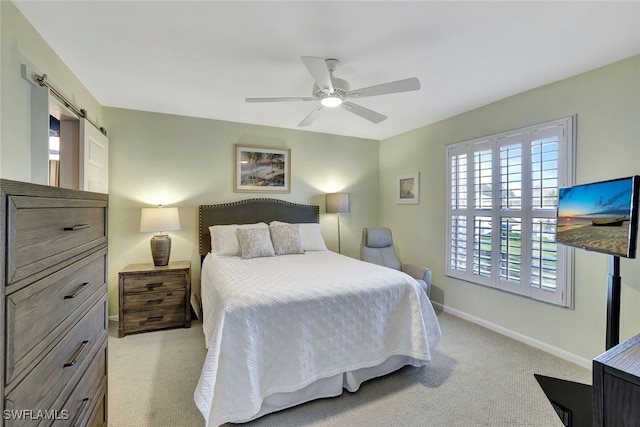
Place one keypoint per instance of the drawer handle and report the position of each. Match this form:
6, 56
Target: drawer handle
155, 301
77, 227
77, 291
154, 285
154, 318
76, 355
80, 410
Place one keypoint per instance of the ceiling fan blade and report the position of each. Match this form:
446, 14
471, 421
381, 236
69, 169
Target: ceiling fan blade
385, 88
311, 117
363, 112
318, 69
305, 98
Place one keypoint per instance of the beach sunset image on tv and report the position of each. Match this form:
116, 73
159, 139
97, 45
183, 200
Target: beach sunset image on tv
598, 216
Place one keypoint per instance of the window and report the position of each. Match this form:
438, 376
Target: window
502, 194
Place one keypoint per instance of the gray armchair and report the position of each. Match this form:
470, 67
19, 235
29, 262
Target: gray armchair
377, 248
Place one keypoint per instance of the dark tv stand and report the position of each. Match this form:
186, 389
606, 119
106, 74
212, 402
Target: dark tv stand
613, 302
574, 402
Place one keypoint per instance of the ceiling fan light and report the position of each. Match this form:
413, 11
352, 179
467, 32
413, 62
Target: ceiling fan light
331, 101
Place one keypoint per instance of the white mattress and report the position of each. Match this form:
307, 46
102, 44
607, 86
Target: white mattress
278, 324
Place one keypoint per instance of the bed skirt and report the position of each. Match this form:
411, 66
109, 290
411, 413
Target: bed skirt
332, 386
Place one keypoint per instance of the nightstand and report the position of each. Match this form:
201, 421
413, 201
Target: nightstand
153, 298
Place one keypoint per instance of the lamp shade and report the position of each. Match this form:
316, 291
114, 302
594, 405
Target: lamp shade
159, 219
338, 202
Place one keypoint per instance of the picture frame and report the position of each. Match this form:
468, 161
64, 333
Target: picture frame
262, 169
408, 189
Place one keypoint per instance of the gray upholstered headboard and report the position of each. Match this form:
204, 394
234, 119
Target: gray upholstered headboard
250, 211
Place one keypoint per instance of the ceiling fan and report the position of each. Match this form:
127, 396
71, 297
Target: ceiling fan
333, 92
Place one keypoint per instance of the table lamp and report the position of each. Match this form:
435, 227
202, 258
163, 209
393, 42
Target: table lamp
159, 220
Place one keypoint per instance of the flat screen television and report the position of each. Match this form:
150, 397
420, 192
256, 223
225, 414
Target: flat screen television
600, 216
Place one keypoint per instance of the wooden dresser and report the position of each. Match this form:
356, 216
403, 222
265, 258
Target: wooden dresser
54, 312
153, 298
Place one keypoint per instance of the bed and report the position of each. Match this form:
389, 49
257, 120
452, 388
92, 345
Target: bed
305, 323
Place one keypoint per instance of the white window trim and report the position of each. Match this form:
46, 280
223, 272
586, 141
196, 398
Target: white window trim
563, 294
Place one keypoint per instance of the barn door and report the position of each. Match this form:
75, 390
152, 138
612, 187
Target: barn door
94, 159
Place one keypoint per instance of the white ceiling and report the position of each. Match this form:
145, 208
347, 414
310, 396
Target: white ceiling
202, 58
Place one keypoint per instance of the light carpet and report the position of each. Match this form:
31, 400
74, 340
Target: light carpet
476, 378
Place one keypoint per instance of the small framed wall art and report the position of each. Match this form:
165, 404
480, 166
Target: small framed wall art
408, 189
262, 169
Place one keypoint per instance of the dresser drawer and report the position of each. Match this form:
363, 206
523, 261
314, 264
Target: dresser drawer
47, 231
149, 320
154, 281
59, 298
98, 417
63, 365
154, 300
88, 416
87, 399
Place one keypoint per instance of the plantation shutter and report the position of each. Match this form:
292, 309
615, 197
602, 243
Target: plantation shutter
502, 197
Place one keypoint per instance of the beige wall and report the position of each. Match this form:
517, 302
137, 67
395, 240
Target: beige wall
607, 103
184, 162
21, 44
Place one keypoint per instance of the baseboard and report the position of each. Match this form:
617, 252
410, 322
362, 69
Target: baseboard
570, 357
113, 318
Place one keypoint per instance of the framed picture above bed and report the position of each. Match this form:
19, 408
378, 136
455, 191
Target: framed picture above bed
408, 189
262, 170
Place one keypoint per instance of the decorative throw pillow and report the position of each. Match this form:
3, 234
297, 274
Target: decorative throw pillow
286, 239
224, 241
310, 235
254, 242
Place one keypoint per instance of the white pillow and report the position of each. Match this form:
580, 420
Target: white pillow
254, 242
310, 235
286, 239
224, 241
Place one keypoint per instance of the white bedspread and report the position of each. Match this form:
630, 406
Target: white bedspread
278, 324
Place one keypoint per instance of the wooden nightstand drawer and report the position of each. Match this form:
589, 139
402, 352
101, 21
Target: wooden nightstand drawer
149, 320
153, 298
155, 281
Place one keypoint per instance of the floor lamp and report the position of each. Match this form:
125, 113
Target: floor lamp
338, 203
